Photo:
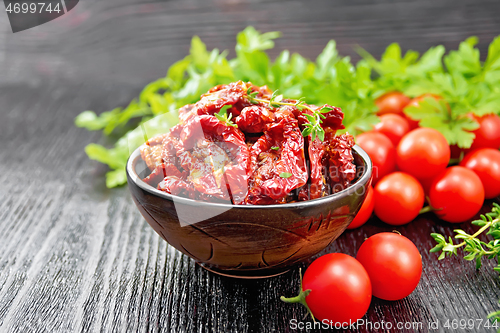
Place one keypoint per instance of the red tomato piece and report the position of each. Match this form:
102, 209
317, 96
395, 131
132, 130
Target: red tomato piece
393, 263
334, 277
398, 198
457, 193
392, 102
423, 153
393, 126
488, 133
381, 151
486, 164
365, 211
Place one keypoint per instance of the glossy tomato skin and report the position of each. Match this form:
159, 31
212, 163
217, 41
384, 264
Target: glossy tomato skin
392, 102
340, 288
381, 151
393, 126
398, 198
457, 194
485, 163
488, 133
423, 153
393, 263
365, 212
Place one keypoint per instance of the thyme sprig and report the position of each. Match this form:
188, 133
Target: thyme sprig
223, 117
475, 248
313, 127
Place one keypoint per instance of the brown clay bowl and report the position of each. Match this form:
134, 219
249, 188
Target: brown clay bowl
248, 241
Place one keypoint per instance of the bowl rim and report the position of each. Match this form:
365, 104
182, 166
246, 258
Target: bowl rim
362, 181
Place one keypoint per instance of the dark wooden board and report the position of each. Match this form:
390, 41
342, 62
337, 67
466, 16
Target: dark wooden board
77, 257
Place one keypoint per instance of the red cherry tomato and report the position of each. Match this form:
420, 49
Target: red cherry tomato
488, 133
415, 102
393, 264
381, 152
423, 153
457, 193
426, 184
392, 102
455, 151
398, 198
486, 164
334, 277
393, 126
365, 212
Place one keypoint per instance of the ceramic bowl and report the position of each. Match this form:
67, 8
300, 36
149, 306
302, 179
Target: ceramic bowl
248, 241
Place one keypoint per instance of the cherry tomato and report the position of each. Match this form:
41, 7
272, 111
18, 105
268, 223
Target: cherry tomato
398, 198
423, 153
488, 133
340, 288
381, 152
392, 102
393, 126
415, 102
393, 264
457, 193
365, 212
486, 164
456, 151
426, 184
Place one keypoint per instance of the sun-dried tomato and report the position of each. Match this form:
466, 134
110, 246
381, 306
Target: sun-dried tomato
277, 162
177, 186
208, 158
161, 171
253, 119
152, 150
216, 157
187, 112
333, 118
341, 169
317, 165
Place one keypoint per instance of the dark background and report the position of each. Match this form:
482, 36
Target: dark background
75, 256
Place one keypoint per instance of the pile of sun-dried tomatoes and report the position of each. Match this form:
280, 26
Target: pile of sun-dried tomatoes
234, 146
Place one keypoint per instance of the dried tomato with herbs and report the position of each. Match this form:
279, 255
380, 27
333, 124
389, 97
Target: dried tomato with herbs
241, 145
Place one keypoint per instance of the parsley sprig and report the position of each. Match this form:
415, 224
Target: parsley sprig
313, 127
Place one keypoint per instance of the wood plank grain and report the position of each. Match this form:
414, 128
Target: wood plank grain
77, 257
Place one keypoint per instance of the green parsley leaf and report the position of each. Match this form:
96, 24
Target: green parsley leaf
464, 61
116, 178
437, 114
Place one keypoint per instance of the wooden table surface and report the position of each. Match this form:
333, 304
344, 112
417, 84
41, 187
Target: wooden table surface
77, 257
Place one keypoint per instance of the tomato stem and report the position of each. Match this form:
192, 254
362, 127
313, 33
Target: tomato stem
300, 298
454, 161
426, 209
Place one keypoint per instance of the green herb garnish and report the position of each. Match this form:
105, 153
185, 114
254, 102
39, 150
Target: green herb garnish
223, 117
285, 175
